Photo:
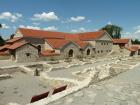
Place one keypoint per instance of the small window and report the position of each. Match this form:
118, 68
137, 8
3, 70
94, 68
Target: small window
101, 43
98, 51
27, 54
101, 51
106, 43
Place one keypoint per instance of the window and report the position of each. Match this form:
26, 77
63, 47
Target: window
27, 54
101, 51
101, 43
98, 51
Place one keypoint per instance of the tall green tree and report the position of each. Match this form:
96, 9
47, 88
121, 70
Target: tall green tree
113, 30
136, 41
2, 41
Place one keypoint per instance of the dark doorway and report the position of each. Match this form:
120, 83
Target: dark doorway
70, 53
88, 52
39, 48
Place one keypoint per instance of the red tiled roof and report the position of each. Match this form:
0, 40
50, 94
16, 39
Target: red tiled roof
4, 46
49, 53
134, 47
60, 35
17, 45
81, 44
73, 37
57, 43
91, 35
119, 41
129, 48
14, 40
41, 33
4, 52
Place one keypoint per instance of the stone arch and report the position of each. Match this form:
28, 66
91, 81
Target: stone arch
88, 52
71, 53
39, 48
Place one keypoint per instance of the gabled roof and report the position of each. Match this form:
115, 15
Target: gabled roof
14, 39
41, 33
4, 46
17, 45
91, 35
73, 37
121, 41
57, 43
81, 44
134, 47
129, 48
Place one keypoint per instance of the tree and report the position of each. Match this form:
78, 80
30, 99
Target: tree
136, 41
0, 25
113, 30
2, 41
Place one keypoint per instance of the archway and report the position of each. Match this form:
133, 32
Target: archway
71, 53
88, 52
39, 48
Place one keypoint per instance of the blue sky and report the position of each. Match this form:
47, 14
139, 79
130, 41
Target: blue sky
70, 15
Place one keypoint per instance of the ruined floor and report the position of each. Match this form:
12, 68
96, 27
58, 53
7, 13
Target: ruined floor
123, 89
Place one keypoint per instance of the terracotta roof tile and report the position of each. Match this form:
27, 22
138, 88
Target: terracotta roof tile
49, 53
125, 41
134, 47
4, 46
41, 33
14, 39
129, 48
81, 44
4, 53
91, 35
17, 45
73, 37
57, 43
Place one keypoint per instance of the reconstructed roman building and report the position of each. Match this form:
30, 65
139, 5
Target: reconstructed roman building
34, 45
66, 45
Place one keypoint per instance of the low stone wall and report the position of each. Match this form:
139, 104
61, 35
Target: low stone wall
5, 57
51, 58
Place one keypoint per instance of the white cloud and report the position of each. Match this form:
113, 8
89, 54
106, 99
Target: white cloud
81, 29
77, 19
88, 21
51, 28
45, 16
36, 23
10, 16
4, 26
30, 27
109, 23
134, 35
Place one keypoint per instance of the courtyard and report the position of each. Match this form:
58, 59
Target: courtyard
22, 84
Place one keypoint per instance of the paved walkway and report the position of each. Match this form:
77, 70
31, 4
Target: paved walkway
123, 89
